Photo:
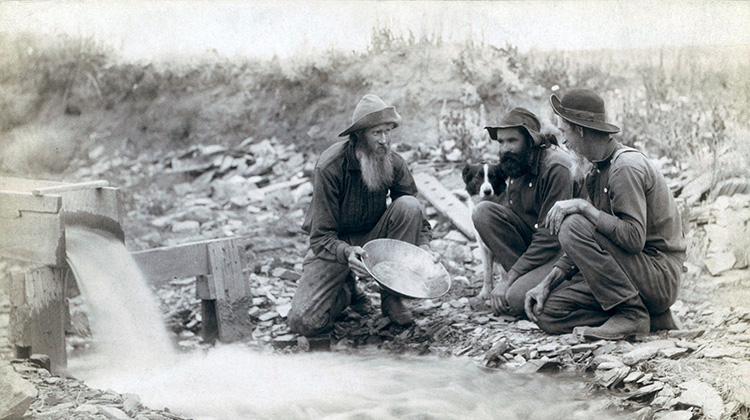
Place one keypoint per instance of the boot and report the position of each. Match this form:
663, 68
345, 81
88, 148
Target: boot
392, 307
630, 318
360, 302
664, 321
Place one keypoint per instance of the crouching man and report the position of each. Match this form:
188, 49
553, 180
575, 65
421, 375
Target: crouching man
624, 247
352, 180
538, 176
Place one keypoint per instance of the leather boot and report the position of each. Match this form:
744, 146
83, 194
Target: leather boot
630, 318
392, 307
664, 321
360, 302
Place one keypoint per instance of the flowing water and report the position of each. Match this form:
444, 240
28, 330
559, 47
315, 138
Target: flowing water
134, 354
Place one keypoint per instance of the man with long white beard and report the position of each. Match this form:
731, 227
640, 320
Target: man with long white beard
352, 180
624, 246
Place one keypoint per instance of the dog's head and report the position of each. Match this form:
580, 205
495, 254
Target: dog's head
484, 179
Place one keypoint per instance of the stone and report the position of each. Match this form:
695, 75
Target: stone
41, 360
112, 413
699, 394
456, 236
609, 378
719, 263
131, 403
16, 393
186, 227
677, 415
87, 408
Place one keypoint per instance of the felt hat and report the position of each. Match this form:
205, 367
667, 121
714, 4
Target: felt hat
371, 111
583, 107
519, 118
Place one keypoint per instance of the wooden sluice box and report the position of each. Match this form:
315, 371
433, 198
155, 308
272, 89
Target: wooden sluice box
33, 216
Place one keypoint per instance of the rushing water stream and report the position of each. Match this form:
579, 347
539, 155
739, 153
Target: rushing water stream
133, 354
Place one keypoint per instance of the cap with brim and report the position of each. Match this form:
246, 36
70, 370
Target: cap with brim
583, 107
518, 118
371, 111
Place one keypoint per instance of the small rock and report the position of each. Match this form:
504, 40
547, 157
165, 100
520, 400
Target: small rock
267, 316
87, 408
456, 236
112, 413
525, 325
700, 394
720, 263
283, 310
186, 227
677, 415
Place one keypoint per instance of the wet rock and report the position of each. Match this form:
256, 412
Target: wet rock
676, 415
699, 394
608, 375
16, 393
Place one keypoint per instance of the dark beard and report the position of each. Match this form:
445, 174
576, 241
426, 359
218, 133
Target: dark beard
376, 168
515, 165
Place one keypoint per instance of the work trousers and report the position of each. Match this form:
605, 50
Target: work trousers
608, 276
325, 288
508, 237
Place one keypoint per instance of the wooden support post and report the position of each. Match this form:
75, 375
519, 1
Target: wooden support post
233, 296
37, 314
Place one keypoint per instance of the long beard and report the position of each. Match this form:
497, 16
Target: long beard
581, 166
376, 169
515, 165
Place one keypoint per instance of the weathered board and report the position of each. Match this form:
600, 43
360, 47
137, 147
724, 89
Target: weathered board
161, 265
233, 297
38, 312
445, 202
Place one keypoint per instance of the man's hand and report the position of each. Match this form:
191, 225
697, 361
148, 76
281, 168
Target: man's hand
497, 296
435, 256
561, 209
355, 254
536, 297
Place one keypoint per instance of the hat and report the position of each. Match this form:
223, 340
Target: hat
583, 107
519, 118
371, 111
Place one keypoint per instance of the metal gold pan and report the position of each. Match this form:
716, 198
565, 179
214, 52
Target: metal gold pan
405, 269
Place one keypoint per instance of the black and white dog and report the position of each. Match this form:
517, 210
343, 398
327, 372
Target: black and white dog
484, 181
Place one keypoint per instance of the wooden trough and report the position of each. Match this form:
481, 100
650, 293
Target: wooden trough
33, 216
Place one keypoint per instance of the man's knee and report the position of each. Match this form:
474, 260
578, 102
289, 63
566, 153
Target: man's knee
309, 323
574, 228
407, 205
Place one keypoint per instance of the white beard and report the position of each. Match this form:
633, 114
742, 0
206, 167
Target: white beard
581, 166
377, 171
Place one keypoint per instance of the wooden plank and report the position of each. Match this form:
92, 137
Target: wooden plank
445, 202
100, 201
160, 265
205, 288
56, 189
233, 297
37, 313
24, 185
12, 203
34, 237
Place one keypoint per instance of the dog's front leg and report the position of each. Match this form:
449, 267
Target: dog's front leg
487, 268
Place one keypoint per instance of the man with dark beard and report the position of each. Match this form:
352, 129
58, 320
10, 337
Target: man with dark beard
624, 246
352, 181
538, 176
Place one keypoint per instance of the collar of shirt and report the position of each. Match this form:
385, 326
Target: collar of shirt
601, 164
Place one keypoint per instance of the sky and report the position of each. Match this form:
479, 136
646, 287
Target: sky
150, 28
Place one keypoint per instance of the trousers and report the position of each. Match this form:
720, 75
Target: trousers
324, 289
508, 237
608, 276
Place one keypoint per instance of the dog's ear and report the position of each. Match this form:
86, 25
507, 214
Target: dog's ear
498, 179
467, 173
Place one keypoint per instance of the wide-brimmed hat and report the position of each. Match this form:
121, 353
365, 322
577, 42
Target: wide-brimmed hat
519, 118
583, 107
371, 111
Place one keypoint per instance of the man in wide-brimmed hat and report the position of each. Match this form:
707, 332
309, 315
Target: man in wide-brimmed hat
538, 173
624, 247
352, 180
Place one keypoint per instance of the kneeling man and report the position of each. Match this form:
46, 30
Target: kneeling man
624, 247
352, 180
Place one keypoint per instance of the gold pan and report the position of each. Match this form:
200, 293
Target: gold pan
405, 269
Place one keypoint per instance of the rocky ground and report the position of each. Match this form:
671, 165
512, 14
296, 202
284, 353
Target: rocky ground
261, 189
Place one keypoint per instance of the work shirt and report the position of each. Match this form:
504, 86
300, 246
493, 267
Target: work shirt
532, 195
638, 212
343, 204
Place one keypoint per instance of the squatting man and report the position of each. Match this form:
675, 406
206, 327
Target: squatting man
623, 247
352, 181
